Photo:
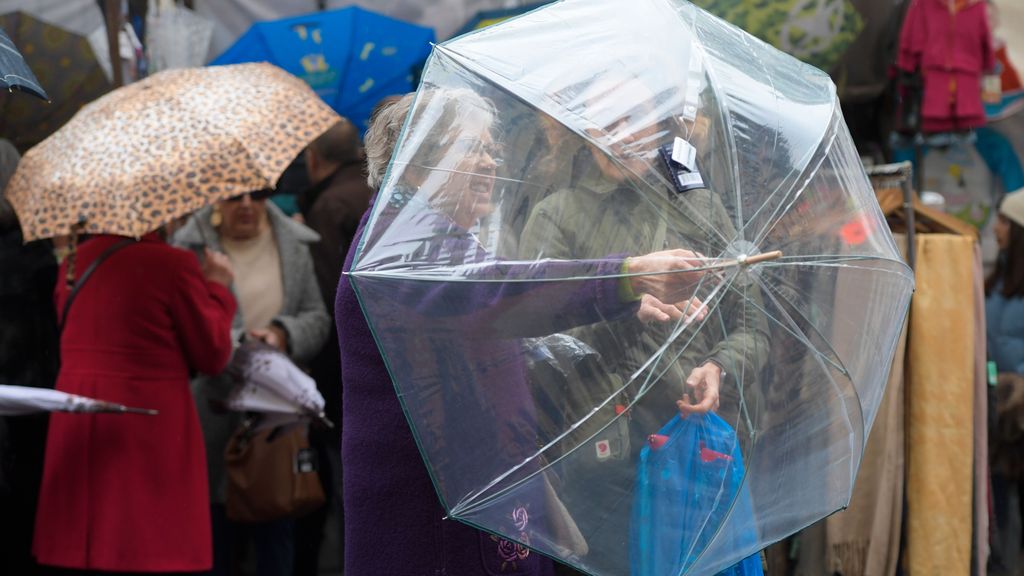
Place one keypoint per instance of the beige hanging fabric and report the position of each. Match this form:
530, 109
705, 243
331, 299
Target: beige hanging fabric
864, 539
940, 408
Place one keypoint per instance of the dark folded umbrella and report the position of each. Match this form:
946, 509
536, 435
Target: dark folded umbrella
64, 63
14, 72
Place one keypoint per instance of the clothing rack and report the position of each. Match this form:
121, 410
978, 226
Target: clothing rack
899, 175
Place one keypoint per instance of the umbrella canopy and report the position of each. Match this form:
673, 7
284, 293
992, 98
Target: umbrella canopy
267, 381
65, 66
671, 129
351, 57
485, 18
20, 400
161, 148
14, 72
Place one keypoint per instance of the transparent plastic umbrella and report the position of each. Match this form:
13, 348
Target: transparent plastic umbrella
501, 273
21, 400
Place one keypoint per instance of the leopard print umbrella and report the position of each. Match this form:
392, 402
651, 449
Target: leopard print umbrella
163, 147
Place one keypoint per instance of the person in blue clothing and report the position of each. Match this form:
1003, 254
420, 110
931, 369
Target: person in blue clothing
1004, 321
1004, 288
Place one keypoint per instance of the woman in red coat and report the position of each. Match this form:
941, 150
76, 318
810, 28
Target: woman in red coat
121, 492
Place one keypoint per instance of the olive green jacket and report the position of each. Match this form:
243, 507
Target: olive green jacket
599, 217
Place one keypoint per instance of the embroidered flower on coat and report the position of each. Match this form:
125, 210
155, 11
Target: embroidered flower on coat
506, 551
510, 552
521, 518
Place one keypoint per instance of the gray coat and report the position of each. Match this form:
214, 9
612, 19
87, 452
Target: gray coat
302, 315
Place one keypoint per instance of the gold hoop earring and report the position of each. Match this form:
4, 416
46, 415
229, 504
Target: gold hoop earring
215, 217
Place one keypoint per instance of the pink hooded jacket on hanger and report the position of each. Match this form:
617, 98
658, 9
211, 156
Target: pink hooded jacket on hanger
950, 42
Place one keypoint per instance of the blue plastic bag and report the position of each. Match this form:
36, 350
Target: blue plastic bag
689, 481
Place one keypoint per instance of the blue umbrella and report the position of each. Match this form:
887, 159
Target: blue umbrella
351, 57
14, 72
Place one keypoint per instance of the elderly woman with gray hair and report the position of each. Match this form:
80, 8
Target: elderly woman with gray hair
394, 523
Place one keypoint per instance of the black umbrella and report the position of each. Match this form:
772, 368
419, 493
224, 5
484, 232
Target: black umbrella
14, 72
64, 63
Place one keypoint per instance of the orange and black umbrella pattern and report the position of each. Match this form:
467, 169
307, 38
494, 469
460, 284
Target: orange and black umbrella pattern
163, 147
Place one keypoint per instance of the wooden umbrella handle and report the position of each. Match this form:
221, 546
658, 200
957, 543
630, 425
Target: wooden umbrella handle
755, 259
764, 257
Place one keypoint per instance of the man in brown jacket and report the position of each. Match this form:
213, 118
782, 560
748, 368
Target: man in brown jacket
335, 201
332, 206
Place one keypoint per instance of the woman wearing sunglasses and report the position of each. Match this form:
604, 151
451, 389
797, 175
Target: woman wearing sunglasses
278, 303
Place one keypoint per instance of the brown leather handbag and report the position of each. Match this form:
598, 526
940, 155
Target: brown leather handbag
272, 473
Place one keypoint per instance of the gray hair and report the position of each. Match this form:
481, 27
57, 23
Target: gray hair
382, 135
441, 114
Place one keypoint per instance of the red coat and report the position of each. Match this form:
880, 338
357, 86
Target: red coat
127, 492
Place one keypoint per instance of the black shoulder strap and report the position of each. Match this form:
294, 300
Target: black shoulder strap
85, 276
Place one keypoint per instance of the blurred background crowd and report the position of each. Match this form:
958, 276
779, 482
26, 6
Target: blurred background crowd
280, 249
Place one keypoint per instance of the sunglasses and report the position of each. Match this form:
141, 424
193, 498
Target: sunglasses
254, 196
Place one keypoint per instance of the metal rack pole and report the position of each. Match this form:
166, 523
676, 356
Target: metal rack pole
902, 172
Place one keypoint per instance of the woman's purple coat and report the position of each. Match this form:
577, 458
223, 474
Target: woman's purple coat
394, 522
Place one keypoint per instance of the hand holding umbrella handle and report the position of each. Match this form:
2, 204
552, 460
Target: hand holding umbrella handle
672, 275
668, 275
